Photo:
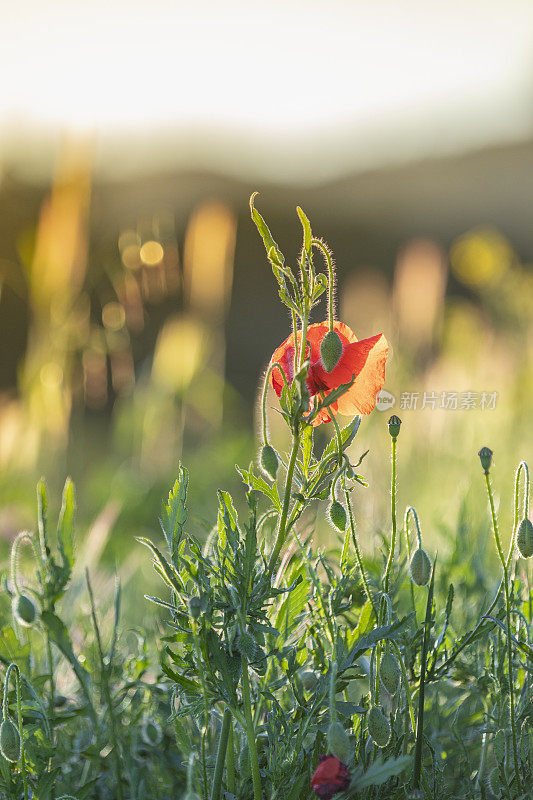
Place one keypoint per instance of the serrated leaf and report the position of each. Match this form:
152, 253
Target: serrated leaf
306, 229
174, 513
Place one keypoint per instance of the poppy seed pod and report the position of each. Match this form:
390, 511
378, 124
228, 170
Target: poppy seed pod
390, 673
195, 607
394, 426
338, 741
420, 567
331, 350
379, 727
337, 515
10, 741
485, 456
24, 610
269, 461
524, 538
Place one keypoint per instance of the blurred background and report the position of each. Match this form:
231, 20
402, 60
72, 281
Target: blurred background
137, 308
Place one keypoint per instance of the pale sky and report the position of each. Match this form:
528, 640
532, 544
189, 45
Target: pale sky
270, 82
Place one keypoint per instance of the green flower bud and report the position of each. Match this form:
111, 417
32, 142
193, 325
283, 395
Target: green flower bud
309, 679
420, 567
10, 741
195, 607
493, 782
330, 350
24, 610
390, 673
269, 461
247, 646
339, 742
337, 515
244, 761
379, 727
394, 426
499, 745
485, 456
524, 538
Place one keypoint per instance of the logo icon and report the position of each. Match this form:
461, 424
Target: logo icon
385, 400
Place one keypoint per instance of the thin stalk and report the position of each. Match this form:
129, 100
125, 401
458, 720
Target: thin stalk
423, 663
221, 755
411, 511
331, 277
508, 620
271, 368
5, 715
282, 527
393, 516
230, 760
358, 553
104, 670
522, 467
250, 732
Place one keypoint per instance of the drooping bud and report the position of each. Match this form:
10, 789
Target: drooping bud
379, 727
420, 567
269, 461
330, 350
390, 673
524, 538
10, 741
24, 610
485, 456
338, 741
394, 426
195, 607
337, 515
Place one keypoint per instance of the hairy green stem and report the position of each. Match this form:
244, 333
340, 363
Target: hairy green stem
221, 755
331, 277
250, 732
230, 760
423, 662
282, 527
508, 621
393, 516
358, 553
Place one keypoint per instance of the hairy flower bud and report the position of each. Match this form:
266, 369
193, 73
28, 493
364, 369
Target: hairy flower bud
330, 350
337, 515
24, 610
195, 607
524, 538
309, 679
485, 456
394, 426
420, 567
248, 647
10, 741
269, 461
379, 727
390, 673
338, 741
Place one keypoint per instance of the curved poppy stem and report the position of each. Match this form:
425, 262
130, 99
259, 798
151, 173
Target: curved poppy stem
5, 715
522, 467
331, 276
358, 552
282, 528
264, 397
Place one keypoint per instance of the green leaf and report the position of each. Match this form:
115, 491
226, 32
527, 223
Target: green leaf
275, 256
174, 513
168, 573
347, 436
379, 772
307, 231
60, 636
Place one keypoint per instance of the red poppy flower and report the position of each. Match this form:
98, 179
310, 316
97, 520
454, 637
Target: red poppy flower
330, 777
365, 359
